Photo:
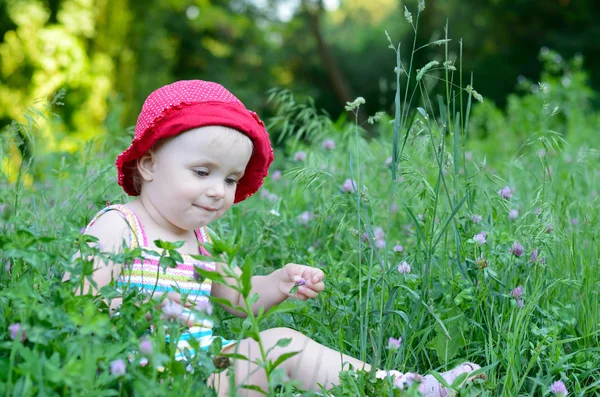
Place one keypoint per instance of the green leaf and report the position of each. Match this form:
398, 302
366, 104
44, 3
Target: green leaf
176, 256
283, 342
255, 388
165, 262
247, 272
281, 359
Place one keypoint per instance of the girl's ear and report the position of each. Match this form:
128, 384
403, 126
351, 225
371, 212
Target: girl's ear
145, 165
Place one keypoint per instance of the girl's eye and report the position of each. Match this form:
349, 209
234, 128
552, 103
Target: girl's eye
231, 181
201, 172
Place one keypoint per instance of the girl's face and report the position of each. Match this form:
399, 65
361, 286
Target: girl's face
191, 179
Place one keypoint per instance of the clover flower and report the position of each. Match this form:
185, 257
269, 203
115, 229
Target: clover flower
146, 347
476, 219
505, 193
348, 186
117, 368
394, 208
305, 217
394, 344
204, 306
276, 176
479, 238
404, 268
513, 214
534, 255
380, 244
265, 194
14, 330
517, 293
300, 156
398, 248
558, 388
171, 310
328, 144
517, 249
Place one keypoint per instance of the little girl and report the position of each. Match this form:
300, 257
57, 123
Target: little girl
197, 151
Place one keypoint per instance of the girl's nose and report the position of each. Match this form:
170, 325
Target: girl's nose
216, 190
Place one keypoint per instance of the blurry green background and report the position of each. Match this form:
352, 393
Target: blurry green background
110, 54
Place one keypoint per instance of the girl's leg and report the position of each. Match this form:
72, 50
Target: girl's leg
314, 364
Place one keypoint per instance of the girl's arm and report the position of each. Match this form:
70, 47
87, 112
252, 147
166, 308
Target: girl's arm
273, 288
111, 230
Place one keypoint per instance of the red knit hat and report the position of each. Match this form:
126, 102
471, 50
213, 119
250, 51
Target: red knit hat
188, 104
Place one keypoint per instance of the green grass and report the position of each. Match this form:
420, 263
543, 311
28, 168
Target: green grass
449, 159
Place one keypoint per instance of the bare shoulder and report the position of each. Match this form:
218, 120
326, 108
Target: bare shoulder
110, 229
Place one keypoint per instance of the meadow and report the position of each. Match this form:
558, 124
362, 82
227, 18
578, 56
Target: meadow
464, 230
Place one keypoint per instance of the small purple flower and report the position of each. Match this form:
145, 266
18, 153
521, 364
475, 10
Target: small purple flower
398, 248
300, 156
348, 186
146, 347
394, 344
479, 238
379, 233
517, 249
82, 230
404, 268
476, 219
204, 306
575, 221
117, 368
328, 144
388, 161
513, 214
14, 332
305, 217
299, 281
420, 217
172, 310
558, 388
380, 244
537, 211
394, 208
276, 176
534, 255
365, 236
517, 293
505, 193
520, 304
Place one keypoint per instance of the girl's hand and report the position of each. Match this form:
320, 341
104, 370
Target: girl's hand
305, 281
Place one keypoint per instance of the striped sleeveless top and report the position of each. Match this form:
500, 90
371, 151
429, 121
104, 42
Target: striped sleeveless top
147, 275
